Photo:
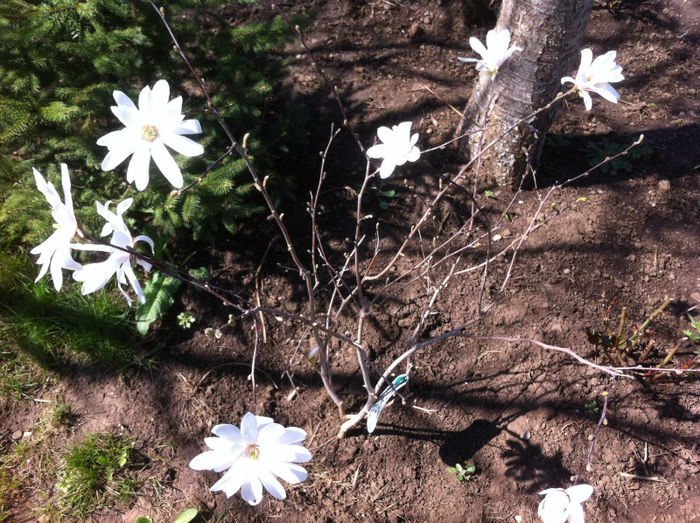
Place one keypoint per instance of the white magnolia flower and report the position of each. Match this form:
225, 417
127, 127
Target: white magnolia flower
596, 76
495, 53
255, 456
560, 506
55, 251
96, 275
397, 147
156, 123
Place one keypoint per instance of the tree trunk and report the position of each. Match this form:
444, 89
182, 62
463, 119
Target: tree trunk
550, 33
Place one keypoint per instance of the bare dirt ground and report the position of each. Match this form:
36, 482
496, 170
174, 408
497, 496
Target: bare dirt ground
522, 415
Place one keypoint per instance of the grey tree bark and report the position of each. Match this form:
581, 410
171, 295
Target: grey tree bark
550, 33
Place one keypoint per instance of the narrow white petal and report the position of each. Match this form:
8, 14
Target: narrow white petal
377, 151
174, 106
413, 154
385, 134
160, 95
183, 145
289, 472
388, 166
96, 275
144, 238
231, 482
477, 46
129, 272
208, 460
138, 167
568, 79
123, 99
587, 101
113, 140
251, 491
580, 493
116, 156
293, 435
145, 99
166, 164
269, 434
127, 115
576, 514
608, 92
271, 484
586, 59
230, 432
123, 206
65, 181
467, 59
189, 127
249, 428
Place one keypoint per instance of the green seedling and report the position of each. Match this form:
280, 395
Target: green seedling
592, 406
463, 474
695, 324
185, 320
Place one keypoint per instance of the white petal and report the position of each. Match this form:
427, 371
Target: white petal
413, 154
231, 482
145, 99
116, 156
576, 514
568, 79
477, 46
387, 168
138, 167
160, 95
65, 181
189, 127
385, 134
289, 472
211, 460
144, 238
123, 99
96, 275
251, 491
580, 493
608, 92
587, 101
174, 106
249, 428
269, 434
166, 164
271, 484
377, 151
230, 432
293, 435
123, 206
467, 59
183, 145
586, 59
287, 453
112, 140
129, 272
127, 115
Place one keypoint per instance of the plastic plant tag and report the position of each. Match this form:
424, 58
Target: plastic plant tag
381, 402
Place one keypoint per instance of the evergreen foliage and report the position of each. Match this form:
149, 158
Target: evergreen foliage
60, 60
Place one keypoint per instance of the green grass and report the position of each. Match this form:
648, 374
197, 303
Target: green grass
60, 330
96, 474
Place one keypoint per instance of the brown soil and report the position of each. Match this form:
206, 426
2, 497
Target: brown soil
521, 414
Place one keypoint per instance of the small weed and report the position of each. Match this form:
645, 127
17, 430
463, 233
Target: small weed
592, 406
695, 324
94, 474
463, 474
62, 414
638, 347
185, 320
597, 152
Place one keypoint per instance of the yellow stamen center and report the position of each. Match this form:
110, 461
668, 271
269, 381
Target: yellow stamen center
253, 452
150, 133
